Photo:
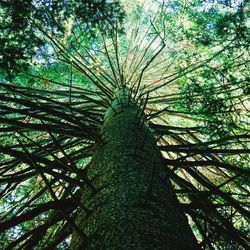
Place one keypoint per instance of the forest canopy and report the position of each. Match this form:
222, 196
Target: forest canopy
63, 65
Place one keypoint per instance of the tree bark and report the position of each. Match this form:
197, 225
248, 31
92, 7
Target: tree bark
134, 208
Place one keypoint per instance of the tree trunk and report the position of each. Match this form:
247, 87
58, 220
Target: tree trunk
134, 208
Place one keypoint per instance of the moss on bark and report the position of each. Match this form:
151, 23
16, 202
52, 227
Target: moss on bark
134, 207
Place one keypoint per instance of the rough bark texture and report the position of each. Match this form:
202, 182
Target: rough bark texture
133, 208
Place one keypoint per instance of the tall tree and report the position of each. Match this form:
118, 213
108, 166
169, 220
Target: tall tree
135, 138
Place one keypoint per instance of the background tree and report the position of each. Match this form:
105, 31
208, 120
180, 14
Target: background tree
184, 65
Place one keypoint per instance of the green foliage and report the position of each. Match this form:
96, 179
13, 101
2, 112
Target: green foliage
18, 40
26, 25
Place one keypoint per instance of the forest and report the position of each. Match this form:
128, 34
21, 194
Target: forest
124, 125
